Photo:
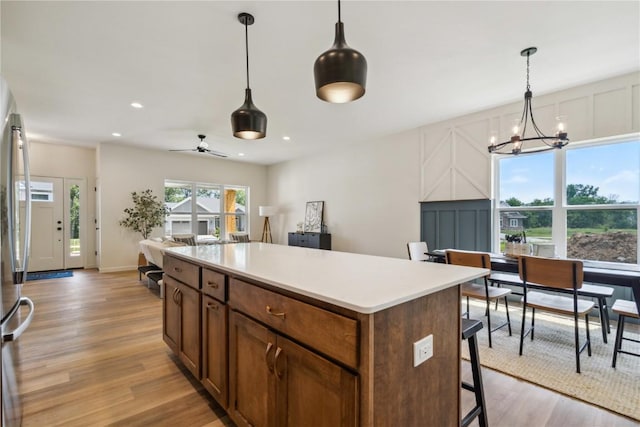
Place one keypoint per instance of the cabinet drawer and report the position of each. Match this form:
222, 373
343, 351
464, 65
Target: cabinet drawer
183, 271
329, 333
214, 284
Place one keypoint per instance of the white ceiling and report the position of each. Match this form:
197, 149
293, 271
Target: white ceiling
75, 67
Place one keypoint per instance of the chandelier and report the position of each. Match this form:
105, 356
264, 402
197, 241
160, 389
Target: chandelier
518, 137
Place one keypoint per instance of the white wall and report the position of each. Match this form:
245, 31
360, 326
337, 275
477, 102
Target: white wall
370, 194
455, 162
66, 161
372, 191
122, 170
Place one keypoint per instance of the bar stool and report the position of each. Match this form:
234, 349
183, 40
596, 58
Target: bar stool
469, 329
624, 309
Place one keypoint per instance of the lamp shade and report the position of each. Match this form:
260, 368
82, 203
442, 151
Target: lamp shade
340, 72
267, 210
247, 122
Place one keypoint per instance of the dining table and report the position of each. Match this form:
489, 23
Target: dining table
621, 275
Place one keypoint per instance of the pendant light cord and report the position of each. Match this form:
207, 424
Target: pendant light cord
339, 20
246, 46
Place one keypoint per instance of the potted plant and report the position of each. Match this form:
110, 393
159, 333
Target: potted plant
147, 213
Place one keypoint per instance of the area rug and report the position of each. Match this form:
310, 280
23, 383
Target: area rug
549, 360
42, 275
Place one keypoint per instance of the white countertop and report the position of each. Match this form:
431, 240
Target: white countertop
363, 283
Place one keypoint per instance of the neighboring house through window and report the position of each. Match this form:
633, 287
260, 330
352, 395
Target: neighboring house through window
215, 211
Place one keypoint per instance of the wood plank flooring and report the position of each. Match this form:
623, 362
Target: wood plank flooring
94, 355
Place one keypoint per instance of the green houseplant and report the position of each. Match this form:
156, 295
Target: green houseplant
147, 213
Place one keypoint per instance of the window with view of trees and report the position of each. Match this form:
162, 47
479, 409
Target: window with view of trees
584, 199
208, 215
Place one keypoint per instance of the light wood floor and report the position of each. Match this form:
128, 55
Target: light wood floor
94, 355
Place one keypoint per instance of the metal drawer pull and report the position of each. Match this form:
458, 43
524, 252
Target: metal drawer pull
274, 313
266, 357
279, 375
213, 306
213, 285
177, 269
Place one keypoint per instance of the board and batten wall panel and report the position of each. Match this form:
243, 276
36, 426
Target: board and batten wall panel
455, 163
461, 224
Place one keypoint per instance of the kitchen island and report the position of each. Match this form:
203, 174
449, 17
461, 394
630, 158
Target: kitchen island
290, 336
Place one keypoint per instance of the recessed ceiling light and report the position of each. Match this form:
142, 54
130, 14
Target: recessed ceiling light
136, 105
286, 138
116, 134
241, 154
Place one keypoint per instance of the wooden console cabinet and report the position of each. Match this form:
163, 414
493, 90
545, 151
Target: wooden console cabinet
274, 352
311, 240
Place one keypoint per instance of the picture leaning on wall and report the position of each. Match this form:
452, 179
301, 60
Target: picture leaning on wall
313, 217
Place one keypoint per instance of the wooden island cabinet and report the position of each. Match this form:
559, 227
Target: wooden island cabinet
291, 337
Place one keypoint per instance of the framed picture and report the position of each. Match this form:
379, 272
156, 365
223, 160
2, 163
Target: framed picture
313, 217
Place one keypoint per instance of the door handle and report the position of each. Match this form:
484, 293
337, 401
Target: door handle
266, 357
59, 228
15, 334
59, 222
18, 142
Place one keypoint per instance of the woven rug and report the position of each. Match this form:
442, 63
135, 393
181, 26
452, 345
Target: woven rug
549, 360
42, 275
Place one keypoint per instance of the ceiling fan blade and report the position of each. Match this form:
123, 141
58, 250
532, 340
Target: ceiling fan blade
216, 153
185, 150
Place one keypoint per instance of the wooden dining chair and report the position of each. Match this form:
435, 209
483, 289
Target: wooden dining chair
550, 274
480, 291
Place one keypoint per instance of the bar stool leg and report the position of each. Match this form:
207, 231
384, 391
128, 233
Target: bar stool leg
480, 411
618, 343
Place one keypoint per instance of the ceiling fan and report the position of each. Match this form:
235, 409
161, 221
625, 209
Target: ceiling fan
203, 147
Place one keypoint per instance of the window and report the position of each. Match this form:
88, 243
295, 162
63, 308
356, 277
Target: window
526, 183
74, 220
209, 215
585, 199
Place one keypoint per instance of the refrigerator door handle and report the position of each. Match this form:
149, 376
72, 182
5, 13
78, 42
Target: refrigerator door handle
27, 200
19, 142
15, 334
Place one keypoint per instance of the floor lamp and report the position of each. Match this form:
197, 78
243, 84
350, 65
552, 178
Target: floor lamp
266, 212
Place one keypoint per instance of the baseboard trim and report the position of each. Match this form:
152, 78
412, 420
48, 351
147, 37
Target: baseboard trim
117, 269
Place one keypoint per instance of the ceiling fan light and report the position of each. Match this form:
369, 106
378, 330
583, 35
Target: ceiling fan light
340, 72
248, 122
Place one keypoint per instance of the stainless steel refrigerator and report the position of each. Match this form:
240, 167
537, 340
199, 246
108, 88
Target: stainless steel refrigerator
15, 225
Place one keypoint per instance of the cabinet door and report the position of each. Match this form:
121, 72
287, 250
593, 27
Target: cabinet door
171, 314
252, 396
311, 391
313, 240
214, 349
189, 299
293, 239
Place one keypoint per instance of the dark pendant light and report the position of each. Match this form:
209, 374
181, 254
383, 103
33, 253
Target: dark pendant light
340, 72
248, 122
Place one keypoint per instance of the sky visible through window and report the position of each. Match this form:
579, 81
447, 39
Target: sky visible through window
614, 169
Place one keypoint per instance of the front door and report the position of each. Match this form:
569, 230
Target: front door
58, 215
47, 224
